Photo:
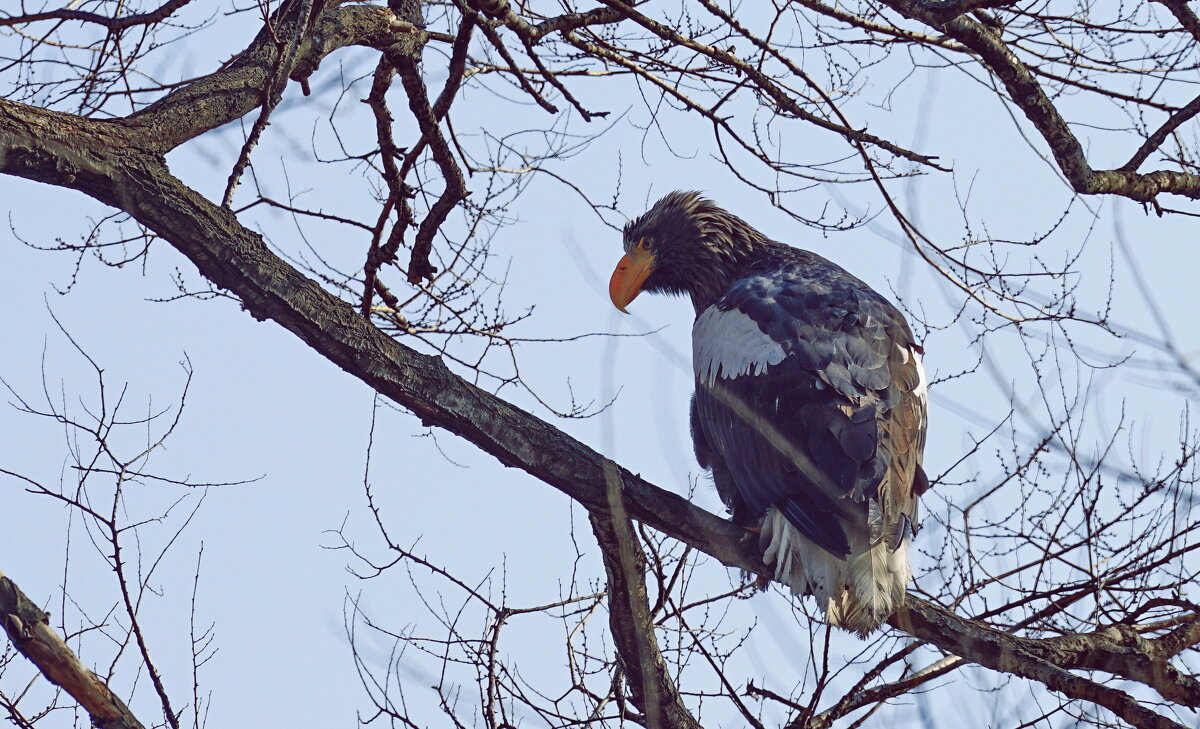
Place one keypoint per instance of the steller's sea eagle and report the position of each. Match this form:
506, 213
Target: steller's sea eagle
809, 406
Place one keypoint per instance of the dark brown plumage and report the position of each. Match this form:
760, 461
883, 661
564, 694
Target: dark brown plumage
810, 401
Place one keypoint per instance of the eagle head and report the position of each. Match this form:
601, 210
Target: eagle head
684, 244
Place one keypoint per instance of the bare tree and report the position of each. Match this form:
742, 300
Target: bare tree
1054, 559
105, 490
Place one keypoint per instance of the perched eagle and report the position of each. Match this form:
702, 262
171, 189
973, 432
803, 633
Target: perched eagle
810, 401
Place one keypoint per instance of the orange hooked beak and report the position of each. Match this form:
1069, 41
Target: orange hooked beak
627, 279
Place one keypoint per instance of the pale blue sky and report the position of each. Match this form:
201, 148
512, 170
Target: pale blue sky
263, 405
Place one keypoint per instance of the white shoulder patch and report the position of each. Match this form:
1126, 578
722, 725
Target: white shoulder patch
922, 390
730, 344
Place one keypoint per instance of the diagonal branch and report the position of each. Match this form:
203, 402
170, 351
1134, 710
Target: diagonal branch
855, 700
235, 89
455, 71
574, 21
654, 693
80, 154
1160, 135
455, 190
1029, 96
29, 630
1185, 15
151, 17
1028, 658
398, 191
494, 38
947, 10
1121, 651
297, 15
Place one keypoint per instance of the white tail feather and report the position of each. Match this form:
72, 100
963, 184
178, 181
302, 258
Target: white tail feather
858, 593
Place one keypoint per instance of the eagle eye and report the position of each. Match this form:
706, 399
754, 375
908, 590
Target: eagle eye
645, 243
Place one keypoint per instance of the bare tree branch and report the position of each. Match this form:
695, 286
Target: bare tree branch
236, 259
1078, 595
654, 692
29, 630
120, 23
235, 90
1184, 14
1030, 659
1028, 95
297, 14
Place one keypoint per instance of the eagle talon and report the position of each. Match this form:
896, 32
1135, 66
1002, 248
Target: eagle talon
750, 537
755, 583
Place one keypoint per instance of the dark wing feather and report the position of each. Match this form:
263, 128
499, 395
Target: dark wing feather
832, 434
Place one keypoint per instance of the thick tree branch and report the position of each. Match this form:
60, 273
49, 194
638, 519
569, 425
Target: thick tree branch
28, 628
947, 10
1028, 658
236, 89
1121, 651
1184, 14
654, 693
455, 71
87, 156
573, 21
45, 146
1025, 91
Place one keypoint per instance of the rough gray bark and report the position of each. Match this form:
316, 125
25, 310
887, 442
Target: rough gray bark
654, 692
37, 147
1027, 94
120, 162
28, 627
